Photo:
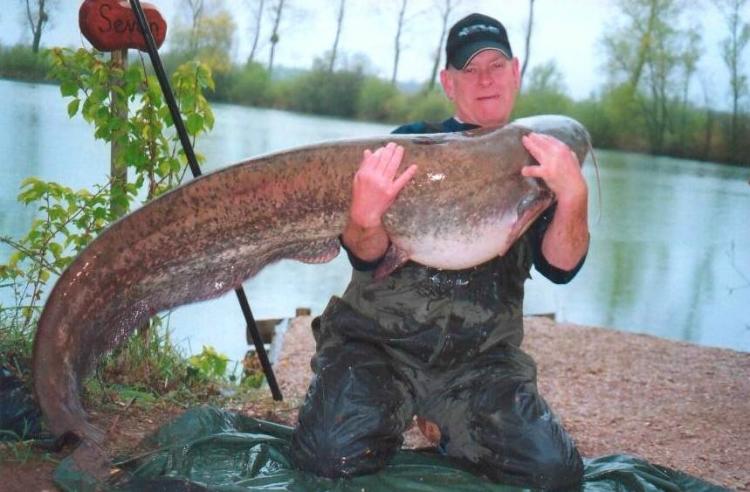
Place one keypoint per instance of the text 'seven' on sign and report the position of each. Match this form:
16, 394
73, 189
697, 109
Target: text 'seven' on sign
111, 25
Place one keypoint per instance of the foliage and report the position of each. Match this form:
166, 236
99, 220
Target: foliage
249, 85
20, 62
209, 363
426, 106
544, 94
379, 101
208, 40
67, 220
322, 92
149, 361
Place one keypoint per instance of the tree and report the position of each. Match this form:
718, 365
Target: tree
731, 50
37, 16
339, 22
397, 42
527, 46
445, 9
208, 40
256, 31
644, 55
195, 7
277, 9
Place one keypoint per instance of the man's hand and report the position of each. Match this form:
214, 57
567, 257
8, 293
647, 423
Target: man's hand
567, 237
558, 166
374, 190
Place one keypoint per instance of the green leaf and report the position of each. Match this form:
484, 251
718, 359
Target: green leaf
73, 107
68, 88
194, 123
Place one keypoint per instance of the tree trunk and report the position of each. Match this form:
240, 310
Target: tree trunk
397, 44
118, 167
527, 48
256, 36
644, 46
196, 14
278, 10
36, 24
448, 8
338, 35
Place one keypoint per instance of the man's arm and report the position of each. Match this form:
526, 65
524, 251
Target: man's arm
566, 240
374, 190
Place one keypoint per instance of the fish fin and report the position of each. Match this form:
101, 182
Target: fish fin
315, 252
393, 259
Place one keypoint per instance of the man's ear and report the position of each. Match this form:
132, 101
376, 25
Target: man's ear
446, 80
517, 73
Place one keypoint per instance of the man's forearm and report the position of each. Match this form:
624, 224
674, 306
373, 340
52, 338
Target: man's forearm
367, 244
566, 240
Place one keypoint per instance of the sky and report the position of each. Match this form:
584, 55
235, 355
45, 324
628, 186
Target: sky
567, 31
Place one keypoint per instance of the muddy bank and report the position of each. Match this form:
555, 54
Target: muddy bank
672, 403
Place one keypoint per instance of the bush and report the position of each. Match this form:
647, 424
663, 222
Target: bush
428, 106
542, 102
19, 62
380, 101
249, 85
322, 92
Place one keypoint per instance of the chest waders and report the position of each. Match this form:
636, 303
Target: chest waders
444, 345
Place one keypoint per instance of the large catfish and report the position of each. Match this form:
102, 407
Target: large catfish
467, 204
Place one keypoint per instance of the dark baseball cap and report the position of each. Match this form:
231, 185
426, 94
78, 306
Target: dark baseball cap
472, 34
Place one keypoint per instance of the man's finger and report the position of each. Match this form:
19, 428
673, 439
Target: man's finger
405, 177
532, 171
386, 153
394, 163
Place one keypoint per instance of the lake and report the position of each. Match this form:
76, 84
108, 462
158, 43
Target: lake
670, 243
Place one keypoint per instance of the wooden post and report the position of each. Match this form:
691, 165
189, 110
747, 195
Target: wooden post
118, 167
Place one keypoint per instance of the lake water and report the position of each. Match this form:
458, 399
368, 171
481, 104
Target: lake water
670, 245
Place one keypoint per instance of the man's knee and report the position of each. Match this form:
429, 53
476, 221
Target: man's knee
330, 456
354, 414
558, 473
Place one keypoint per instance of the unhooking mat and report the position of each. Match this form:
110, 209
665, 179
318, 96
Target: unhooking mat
211, 449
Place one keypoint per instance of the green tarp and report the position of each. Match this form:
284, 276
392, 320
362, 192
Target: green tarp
211, 449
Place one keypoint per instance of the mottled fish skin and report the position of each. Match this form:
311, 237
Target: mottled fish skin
207, 236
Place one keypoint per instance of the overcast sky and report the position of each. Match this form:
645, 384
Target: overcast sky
568, 31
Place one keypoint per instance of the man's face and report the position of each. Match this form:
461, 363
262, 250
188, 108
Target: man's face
483, 92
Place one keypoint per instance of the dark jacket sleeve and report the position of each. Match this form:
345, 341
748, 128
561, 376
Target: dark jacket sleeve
554, 274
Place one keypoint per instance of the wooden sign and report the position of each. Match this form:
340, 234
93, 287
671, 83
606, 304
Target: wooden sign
110, 25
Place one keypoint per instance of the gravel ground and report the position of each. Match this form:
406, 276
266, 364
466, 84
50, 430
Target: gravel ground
675, 404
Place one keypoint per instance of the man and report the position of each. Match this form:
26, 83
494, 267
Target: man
444, 345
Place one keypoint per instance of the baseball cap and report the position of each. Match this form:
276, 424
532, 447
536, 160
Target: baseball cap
472, 34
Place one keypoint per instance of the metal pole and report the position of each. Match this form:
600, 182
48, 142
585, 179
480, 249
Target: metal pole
252, 329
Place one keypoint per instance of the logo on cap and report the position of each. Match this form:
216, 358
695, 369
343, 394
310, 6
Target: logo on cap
466, 31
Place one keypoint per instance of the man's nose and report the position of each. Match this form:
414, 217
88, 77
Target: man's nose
485, 78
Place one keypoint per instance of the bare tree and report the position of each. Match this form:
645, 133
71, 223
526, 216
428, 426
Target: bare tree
37, 16
445, 8
527, 48
196, 10
732, 47
339, 22
277, 9
397, 43
256, 32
